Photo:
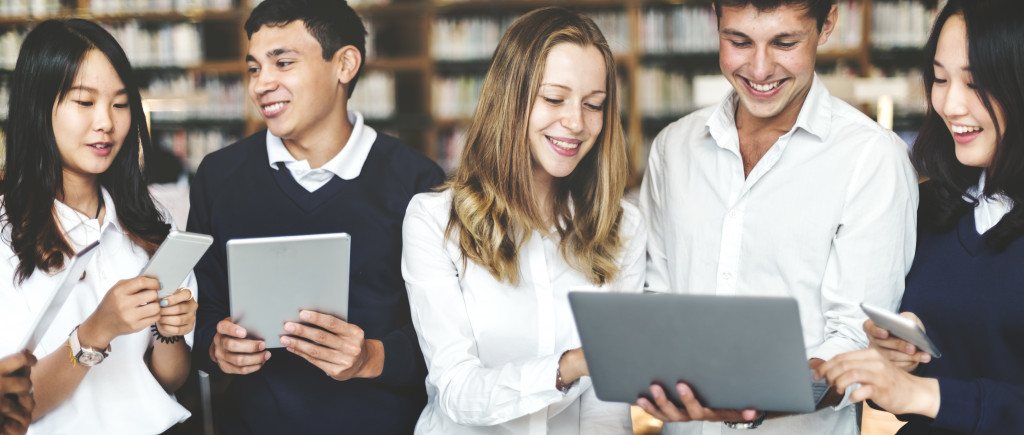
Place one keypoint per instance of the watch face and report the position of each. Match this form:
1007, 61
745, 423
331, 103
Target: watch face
89, 358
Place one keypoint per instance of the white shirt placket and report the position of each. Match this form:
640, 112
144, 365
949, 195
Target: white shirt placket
544, 294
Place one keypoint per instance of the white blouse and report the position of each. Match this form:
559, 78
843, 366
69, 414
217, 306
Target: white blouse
491, 348
120, 395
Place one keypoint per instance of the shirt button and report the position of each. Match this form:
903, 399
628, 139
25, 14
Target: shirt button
732, 213
726, 275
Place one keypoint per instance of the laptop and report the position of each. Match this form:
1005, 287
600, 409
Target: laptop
270, 279
735, 352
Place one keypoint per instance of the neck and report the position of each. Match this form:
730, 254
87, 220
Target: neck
543, 192
324, 141
782, 122
80, 193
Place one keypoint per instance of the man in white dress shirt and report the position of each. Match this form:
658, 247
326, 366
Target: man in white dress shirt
779, 190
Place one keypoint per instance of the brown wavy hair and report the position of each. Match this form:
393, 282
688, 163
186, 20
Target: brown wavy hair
493, 208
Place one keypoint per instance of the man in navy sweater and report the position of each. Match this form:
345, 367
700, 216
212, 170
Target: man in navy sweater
318, 169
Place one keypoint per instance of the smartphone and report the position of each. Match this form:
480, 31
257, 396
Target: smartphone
901, 327
175, 258
72, 275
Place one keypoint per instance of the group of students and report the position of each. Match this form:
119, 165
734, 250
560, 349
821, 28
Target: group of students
458, 316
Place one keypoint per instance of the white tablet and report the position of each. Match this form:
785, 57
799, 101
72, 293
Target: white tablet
901, 327
271, 279
72, 275
175, 258
735, 352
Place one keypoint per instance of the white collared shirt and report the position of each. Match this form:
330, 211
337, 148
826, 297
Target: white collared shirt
491, 348
120, 395
347, 164
827, 216
989, 211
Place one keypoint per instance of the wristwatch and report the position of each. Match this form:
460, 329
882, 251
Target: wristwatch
752, 424
85, 356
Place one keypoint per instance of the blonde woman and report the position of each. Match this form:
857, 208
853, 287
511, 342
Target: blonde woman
534, 210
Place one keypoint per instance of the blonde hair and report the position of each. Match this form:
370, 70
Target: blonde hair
493, 209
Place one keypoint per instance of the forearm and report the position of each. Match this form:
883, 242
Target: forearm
54, 379
170, 364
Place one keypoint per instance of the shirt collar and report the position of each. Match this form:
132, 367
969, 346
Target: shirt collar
347, 164
70, 219
814, 117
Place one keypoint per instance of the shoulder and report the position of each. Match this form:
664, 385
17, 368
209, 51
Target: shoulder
854, 127
402, 164
435, 205
689, 125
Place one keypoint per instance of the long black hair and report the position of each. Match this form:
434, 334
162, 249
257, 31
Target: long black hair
47, 65
995, 51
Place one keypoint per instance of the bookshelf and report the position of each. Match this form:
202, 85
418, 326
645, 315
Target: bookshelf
426, 60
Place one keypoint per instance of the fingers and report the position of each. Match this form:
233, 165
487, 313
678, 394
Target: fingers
234, 353
16, 416
175, 324
335, 364
329, 322
319, 336
696, 411
15, 385
13, 363
660, 407
179, 297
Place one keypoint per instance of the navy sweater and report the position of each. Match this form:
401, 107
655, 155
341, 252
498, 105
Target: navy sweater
971, 301
236, 194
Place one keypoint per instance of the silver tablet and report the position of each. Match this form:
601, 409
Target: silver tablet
735, 352
175, 258
271, 278
72, 275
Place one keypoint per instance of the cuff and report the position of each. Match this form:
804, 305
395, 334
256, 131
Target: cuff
537, 380
832, 347
402, 364
959, 406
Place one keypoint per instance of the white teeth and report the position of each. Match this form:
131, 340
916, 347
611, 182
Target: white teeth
764, 88
273, 107
564, 145
961, 129
100, 146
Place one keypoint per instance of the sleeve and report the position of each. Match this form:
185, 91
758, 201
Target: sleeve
210, 274
403, 359
467, 392
633, 265
873, 246
652, 207
980, 406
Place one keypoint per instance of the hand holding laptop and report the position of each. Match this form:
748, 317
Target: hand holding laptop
663, 409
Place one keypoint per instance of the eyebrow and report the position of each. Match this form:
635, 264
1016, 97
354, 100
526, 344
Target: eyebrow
270, 54
940, 65
570, 89
779, 36
92, 90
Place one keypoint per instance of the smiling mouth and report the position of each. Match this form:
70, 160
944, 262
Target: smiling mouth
963, 129
271, 108
766, 87
563, 144
101, 146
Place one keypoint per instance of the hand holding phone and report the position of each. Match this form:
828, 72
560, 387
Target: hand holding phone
175, 258
901, 327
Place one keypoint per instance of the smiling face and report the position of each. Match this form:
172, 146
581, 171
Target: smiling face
295, 89
958, 103
768, 57
92, 120
568, 114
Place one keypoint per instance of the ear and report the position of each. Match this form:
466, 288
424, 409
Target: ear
828, 26
347, 60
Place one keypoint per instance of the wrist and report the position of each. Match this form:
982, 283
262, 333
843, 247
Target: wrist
569, 369
91, 335
373, 365
927, 397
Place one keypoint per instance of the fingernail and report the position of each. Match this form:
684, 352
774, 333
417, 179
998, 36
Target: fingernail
240, 332
286, 341
267, 356
926, 358
683, 389
305, 315
163, 302
289, 327
655, 392
262, 346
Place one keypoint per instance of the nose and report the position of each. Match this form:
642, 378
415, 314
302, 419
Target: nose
103, 120
955, 103
762, 64
572, 117
262, 82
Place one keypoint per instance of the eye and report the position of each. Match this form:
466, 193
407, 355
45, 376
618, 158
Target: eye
121, 105
284, 63
939, 81
740, 44
552, 100
785, 44
594, 107
83, 103
253, 70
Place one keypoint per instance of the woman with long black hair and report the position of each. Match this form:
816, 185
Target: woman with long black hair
73, 177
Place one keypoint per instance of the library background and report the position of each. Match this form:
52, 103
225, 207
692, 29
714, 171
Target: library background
426, 60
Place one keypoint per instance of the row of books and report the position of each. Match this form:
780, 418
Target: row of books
50, 8
178, 97
901, 23
374, 96
29, 8
192, 144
